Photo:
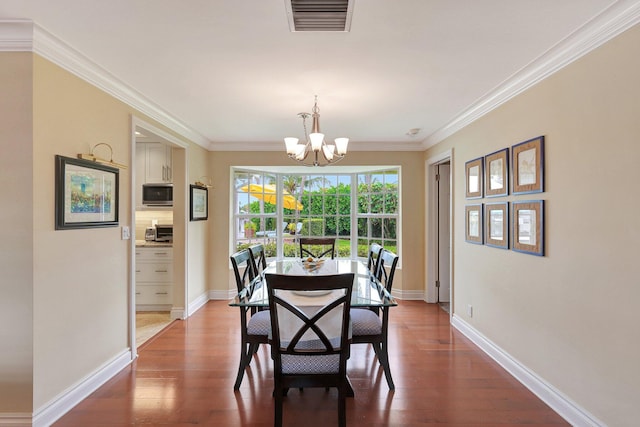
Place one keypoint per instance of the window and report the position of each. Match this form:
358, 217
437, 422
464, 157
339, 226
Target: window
377, 214
275, 208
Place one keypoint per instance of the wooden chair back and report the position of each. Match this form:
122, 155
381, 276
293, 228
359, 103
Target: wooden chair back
310, 334
317, 247
242, 268
373, 261
258, 259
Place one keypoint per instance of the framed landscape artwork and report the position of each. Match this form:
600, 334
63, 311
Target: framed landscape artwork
527, 165
496, 176
528, 227
199, 206
496, 225
473, 177
86, 194
473, 223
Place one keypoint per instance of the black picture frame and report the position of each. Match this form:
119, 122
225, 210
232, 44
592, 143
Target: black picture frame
496, 225
473, 224
474, 177
199, 203
527, 224
527, 166
496, 173
86, 194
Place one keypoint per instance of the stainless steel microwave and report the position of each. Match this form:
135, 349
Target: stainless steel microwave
157, 194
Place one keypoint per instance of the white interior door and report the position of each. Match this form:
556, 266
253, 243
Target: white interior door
443, 196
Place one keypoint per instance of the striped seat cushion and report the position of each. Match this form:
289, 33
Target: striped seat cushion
365, 322
260, 323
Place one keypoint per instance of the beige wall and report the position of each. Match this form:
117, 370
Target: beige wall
570, 316
67, 291
80, 276
16, 244
198, 270
409, 276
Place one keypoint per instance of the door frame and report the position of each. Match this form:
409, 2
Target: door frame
431, 226
182, 203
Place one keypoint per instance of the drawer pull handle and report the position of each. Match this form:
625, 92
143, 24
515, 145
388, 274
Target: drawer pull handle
137, 271
162, 271
138, 293
162, 293
160, 253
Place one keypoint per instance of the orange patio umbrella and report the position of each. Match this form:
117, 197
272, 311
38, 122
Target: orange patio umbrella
267, 193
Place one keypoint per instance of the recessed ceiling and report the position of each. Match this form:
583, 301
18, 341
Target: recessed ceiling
233, 72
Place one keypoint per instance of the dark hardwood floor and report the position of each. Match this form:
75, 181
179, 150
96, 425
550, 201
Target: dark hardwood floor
185, 376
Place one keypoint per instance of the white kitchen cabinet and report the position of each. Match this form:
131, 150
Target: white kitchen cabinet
158, 163
154, 278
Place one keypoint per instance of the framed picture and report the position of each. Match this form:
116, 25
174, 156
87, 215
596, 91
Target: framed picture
199, 206
496, 173
527, 165
473, 223
528, 227
496, 225
474, 175
86, 194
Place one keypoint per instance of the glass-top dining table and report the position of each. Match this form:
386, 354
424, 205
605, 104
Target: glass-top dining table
367, 290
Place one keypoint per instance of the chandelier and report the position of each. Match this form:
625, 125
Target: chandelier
315, 151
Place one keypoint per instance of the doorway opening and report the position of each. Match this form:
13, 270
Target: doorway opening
158, 278
439, 238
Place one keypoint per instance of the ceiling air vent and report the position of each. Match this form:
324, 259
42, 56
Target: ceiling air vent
319, 15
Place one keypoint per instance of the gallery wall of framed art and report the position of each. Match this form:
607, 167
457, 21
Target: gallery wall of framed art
507, 173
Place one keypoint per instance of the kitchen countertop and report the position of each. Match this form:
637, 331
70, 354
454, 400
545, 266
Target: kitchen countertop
146, 244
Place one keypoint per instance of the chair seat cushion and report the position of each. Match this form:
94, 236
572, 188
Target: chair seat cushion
322, 364
259, 323
325, 364
365, 322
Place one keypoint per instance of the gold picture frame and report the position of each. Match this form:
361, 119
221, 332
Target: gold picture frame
527, 219
474, 177
527, 166
496, 173
496, 225
473, 229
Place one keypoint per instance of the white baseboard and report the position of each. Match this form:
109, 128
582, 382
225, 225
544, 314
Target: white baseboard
565, 407
15, 419
198, 303
65, 401
218, 295
177, 313
408, 295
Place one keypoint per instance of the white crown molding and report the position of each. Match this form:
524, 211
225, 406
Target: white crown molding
614, 20
565, 407
16, 36
24, 35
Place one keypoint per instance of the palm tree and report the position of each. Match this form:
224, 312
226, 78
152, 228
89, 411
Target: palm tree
296, 184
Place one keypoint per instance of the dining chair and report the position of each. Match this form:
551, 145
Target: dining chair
309, 335
258, 259
317, 247
374, 258
370, 326
254, 325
